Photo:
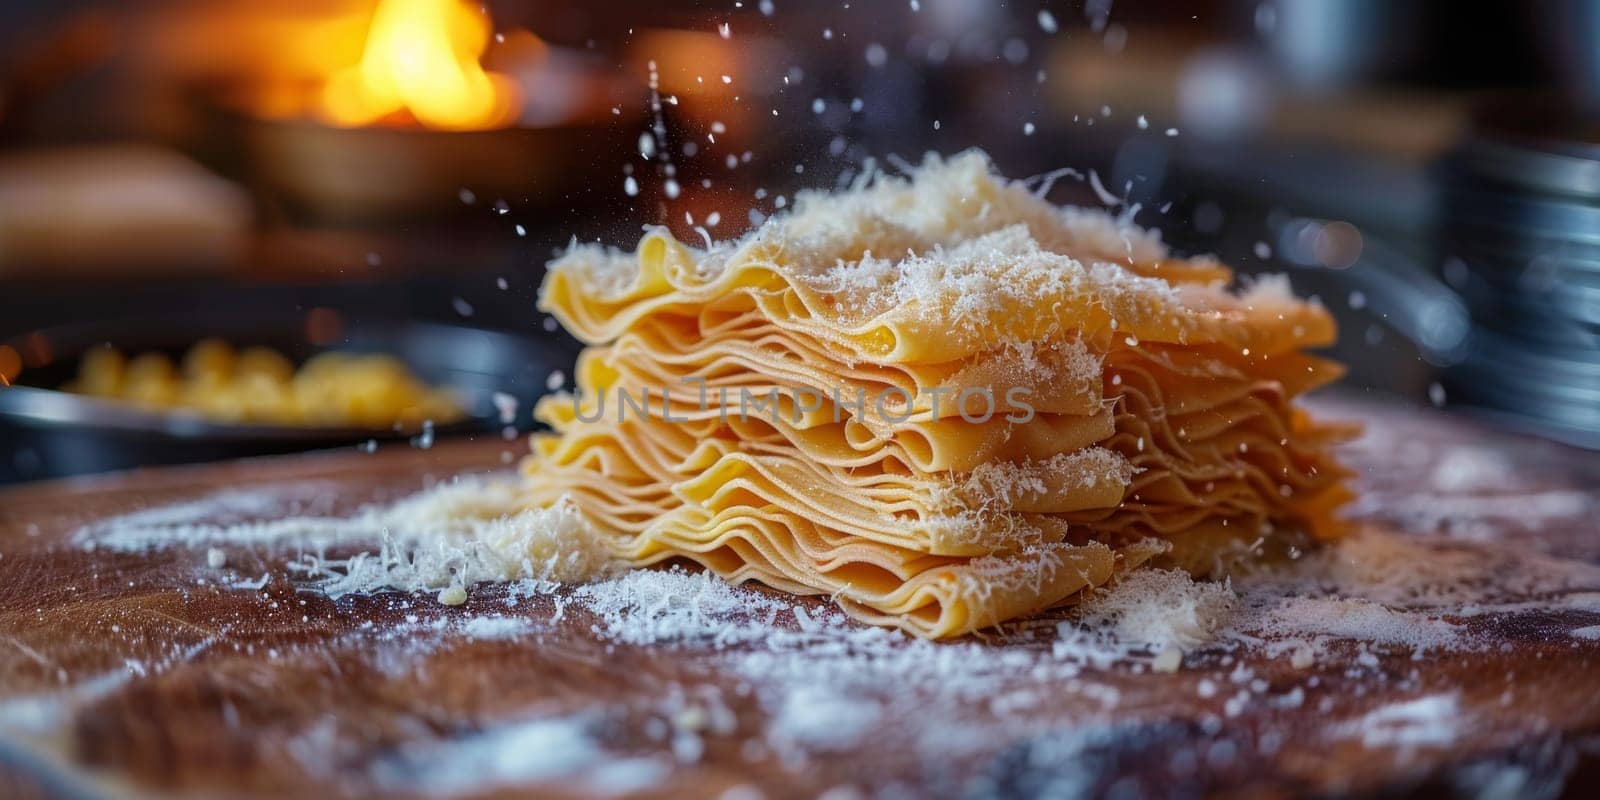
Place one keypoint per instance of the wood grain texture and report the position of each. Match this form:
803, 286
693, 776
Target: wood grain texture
130, 673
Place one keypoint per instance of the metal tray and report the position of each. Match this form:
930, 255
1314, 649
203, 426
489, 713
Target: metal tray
46, 433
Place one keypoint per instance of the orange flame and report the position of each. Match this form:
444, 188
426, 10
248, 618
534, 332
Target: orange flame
421, 56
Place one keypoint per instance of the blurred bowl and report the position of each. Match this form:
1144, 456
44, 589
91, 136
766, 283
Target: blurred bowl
357, 175
48, 433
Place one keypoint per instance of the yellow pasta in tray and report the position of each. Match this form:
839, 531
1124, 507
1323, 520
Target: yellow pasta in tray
261, 385
940, 400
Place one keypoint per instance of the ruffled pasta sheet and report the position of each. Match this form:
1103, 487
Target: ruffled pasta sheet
790, 523
774, 519
669, 489
654, 467
1031, 295
914, 448
972, 251
1060, 376
662, 374
1219, 471
938, 525
753, 394
1229, 449
925, 595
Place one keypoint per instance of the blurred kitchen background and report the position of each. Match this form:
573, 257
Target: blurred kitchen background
392, 175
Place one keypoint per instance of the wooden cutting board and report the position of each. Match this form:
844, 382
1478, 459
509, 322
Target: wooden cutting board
127, 673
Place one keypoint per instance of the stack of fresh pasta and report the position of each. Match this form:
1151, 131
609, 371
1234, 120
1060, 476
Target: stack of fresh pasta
939, 400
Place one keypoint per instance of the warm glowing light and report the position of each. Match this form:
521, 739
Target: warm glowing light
421, 57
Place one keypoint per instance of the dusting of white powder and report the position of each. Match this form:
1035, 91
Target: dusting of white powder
1376, 588
1432, 721
453, 535
491, 628
1162, 609
820, 718
825, 682
562, 749
1381, 591
952, 244
1000, 484
1362, 620
1397, 588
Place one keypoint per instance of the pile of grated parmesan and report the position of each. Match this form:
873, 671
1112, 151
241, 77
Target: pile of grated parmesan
450, 536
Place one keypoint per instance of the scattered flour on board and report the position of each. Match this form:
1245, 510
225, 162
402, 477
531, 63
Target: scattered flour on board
1432, 721
1162, 609
454, 534
1473, 492
532, 751
499, 627
825, 681
820, 719
1373, 587
1360, 620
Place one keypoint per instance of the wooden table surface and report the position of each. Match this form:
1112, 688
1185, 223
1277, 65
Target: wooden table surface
126, 673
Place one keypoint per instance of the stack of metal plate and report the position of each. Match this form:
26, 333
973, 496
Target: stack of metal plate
1522, 245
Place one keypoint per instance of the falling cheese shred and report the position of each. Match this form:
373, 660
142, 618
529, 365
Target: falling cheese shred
969, 404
